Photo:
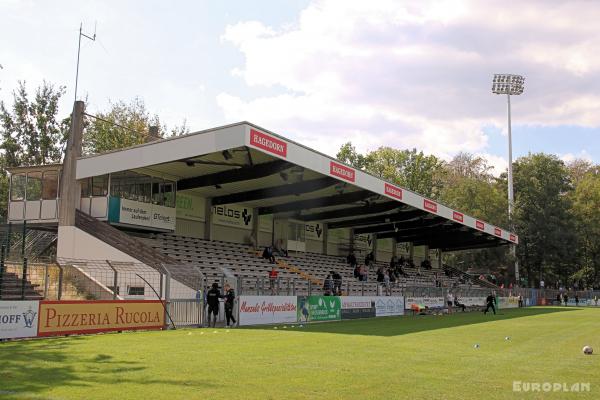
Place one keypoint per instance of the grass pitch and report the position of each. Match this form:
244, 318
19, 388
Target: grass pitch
424, 357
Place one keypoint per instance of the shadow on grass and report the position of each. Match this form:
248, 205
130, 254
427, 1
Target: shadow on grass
402, 325
29, 368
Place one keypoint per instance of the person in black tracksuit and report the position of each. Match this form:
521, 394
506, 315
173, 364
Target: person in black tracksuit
212, 300
229, 300
490, 303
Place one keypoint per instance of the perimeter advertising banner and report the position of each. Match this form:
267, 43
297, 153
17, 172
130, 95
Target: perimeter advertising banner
386, 306
259, 310
73, 317
472, 301
508, 302
18, 319
131, 212
429, 302
233, 215
357, 307
319, 308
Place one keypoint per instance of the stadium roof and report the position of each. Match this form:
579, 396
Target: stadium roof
243, 163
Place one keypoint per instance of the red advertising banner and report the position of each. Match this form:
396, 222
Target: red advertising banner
76, 317
430, 205
393, 191
268, 143
479, 225
458, 216
342, 171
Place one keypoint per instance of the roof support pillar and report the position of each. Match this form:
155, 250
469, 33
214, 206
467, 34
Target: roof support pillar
426, 252
394, 247
351, 240
411, 252
70, 188
254, 234
439, 258
325, 237
208, 219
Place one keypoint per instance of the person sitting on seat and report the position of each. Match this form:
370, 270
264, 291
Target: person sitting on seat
458, 304
351, 259
337, 283
370, 257
380, 276
268, 254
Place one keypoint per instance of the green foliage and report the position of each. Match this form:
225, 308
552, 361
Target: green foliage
547, 237
124, 125
408, 168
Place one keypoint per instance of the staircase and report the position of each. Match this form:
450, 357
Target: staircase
36, 243
134, 248
469, 277
11, 288
295, 270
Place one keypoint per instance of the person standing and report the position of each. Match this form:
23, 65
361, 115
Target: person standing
566, 299
490, 302
229, 302
273, 275
212, 300
449, 301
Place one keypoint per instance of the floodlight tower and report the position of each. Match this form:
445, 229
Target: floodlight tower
509, 84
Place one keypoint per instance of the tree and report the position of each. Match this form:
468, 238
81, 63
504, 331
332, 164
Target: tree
408, 168
124, 125
542, 218
586, 209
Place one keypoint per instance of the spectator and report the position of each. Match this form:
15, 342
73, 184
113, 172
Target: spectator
393, 276
212, 301
458, 304
566, 299
400, 271
363, 274
229, 300
386, 283
559, 299
520, 301
425, 264
576, 300
357, 272
449, 301
327, 285
370, 257
380, 275
268, 254
280, 249
393, 262
337, 283
351, 259
273, 274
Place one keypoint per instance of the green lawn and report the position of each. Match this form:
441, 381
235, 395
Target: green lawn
425, 357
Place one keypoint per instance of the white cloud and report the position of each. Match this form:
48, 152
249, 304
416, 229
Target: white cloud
582, 155
417, 74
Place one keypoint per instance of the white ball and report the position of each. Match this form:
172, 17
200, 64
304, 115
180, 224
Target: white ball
476, 346
588, 350
507, 338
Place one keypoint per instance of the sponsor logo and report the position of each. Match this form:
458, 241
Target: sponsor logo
267, 307
430, 205
341, 171
513, 238
519, 386
314, 228
479, 225
268, 143
497, 231
458, 216
225, 211
29, 317
393, 191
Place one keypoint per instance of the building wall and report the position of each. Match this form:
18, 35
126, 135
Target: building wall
186, 227
229, 234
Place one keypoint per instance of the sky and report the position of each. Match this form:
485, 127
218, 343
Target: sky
406, 74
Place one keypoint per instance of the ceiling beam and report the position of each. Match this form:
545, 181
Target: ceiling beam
234, 175
328, 201
276, 191
379, 219
352, 211
402, 226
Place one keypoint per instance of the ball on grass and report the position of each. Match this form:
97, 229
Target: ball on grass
476, 346
507, 338
588, 350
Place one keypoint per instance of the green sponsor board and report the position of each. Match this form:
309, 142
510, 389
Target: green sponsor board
319, 308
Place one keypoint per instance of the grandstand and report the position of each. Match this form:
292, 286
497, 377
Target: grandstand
210, 201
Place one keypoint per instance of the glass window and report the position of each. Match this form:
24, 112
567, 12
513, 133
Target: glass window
169, 189
135, 290
17, 188
50, 185
157, 193
100, 185
85, 187
34, 185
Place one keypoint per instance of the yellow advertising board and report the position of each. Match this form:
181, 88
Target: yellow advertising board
76, 317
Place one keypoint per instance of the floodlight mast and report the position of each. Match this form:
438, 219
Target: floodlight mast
509, 84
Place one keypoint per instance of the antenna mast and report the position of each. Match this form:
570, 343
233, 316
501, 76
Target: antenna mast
93, 39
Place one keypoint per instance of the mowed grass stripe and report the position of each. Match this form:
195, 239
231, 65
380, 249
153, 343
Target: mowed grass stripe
424, 357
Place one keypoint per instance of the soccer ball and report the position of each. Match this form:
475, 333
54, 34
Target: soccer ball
587, 350
476, 346
507, 338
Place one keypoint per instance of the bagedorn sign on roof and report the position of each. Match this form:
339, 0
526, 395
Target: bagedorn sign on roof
268, 143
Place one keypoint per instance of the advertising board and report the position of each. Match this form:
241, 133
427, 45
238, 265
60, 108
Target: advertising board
258, 310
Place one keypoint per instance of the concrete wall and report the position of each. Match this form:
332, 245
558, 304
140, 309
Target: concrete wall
77, 244
229, 234
186, 227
